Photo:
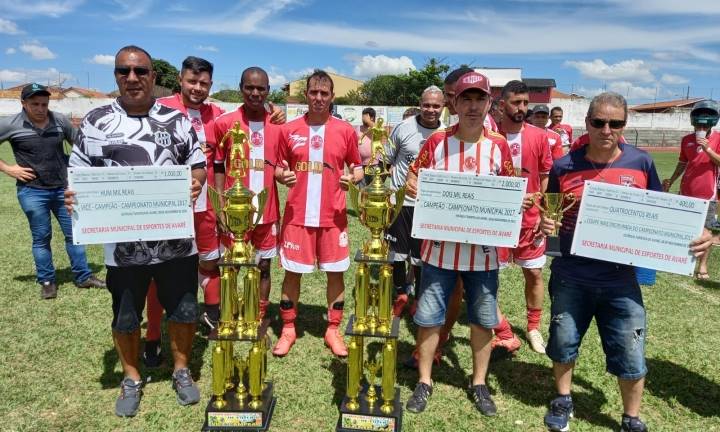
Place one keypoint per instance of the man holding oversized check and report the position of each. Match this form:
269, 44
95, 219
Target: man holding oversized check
137, 134
466, 148
610, 225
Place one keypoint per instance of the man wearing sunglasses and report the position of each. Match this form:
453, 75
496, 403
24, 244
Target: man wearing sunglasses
698, 165
135, 130
582, 288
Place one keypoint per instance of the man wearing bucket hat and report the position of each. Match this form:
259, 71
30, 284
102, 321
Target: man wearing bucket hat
698, 164
36, 135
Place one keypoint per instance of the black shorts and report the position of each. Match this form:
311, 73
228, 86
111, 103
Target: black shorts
177, 287
400, 240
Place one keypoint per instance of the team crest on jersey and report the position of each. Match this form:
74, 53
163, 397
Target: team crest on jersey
699, 149
627, 180
162, 138
296, 141
196, 123
343, 240
470, 163
316, 142
256, 139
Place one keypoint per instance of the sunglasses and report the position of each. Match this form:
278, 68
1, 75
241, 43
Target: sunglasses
125, 70
600, 123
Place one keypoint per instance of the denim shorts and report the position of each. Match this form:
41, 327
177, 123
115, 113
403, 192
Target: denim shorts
620, 317
438, 285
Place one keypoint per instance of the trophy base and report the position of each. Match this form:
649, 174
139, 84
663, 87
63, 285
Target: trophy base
370, 419
262, 331
552, 246
360, 257
229, 263
238, 416
394, 330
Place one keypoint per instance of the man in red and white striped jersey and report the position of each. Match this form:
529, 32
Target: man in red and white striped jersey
465, 147
312, 153
263, 134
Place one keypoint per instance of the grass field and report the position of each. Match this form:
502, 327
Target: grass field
59, 370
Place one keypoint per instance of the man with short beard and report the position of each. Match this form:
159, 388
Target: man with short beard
262, 135
135, 130
531, 158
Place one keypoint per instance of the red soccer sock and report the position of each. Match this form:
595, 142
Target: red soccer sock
533, 318
212, 287
503, 330
154, 313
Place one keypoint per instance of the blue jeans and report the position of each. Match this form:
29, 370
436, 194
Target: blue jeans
438, 285
620, 317
37, 205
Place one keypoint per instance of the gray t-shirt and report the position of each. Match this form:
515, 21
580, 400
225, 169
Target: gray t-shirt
39, 149
405, 143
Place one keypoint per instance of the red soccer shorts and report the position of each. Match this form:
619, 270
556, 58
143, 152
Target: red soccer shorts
302, 247
206, 236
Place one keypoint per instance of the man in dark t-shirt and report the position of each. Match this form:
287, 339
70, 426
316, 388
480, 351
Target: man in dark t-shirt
36, 136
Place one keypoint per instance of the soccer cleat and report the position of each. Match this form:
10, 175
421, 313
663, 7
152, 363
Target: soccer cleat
285, 342
505, 347
418, 400
128, 402
186, 389
557, 419
536, 341
335, 342
399, 304
483, 402
632, 424
152, 356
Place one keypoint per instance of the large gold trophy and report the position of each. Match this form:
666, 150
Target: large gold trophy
553, 206
361, 408
242, 397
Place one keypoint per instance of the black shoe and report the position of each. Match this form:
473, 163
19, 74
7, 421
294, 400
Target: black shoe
632, 424
419, 398
91, 282
48, 290
152, 356
483, 402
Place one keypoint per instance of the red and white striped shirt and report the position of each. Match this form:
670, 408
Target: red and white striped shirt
489, 156
317, 155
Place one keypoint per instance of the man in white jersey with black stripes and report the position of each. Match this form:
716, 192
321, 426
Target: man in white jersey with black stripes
465, 147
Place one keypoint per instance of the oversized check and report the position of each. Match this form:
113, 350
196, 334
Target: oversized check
638, 227
123, 204
468, 208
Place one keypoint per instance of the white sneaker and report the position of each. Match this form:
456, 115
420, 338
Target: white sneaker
536, 341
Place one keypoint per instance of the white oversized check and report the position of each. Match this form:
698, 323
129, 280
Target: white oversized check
123, 204
468, 208
638, 227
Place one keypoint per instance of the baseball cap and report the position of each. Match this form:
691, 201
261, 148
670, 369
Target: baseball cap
541, 109
472, 80
33, 89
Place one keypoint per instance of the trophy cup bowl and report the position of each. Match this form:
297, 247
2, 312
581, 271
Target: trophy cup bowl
553, 206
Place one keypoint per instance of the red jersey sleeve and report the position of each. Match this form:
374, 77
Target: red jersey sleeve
683, 148
218, 132
545, 158
282, 150
352, 155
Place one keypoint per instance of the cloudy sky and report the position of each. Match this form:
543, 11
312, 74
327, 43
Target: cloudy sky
644, 49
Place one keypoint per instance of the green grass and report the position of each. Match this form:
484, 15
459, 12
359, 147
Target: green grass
59, 370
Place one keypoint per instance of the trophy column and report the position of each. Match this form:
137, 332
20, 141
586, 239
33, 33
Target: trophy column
367, 406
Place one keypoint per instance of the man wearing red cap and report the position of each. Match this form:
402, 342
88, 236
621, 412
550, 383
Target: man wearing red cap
467, 146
